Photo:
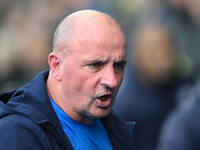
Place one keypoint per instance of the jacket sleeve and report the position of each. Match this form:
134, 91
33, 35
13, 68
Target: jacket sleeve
18, 132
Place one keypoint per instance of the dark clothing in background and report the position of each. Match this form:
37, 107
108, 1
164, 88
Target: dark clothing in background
28, 121
146, 106
181, 130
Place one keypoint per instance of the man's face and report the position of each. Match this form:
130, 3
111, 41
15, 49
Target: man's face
92, 74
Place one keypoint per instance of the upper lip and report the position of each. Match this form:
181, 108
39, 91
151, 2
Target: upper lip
105, 94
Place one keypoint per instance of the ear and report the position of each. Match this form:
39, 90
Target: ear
55, 65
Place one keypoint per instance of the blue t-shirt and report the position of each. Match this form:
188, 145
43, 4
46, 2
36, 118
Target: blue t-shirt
83, 136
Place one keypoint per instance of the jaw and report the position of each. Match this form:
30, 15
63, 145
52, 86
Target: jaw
90, 117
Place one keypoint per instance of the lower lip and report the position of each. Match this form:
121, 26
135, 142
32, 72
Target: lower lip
103, 104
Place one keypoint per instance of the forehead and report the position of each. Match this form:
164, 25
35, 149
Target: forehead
98, 37
97, 52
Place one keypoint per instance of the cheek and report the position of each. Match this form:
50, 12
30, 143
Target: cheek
81, 82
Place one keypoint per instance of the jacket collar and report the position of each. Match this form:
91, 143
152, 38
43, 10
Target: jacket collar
119, 131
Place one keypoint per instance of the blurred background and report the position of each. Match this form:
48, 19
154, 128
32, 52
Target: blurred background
163, 48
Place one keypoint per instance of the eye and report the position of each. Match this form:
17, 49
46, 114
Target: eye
96, 65
119, 67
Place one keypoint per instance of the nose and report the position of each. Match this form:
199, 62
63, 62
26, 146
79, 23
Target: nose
108, 78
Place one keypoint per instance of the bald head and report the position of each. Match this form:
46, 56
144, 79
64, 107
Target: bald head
88, 60
81, 25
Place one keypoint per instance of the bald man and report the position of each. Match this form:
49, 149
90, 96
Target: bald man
69, 106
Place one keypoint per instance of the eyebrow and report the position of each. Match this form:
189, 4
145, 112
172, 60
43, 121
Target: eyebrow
122, 62
102, 61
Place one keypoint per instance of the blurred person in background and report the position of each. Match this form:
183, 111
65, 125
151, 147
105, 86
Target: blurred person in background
69, 106
183, 16
144, 92
150, 85
181, 129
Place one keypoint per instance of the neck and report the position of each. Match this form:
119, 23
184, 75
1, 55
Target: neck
53, 92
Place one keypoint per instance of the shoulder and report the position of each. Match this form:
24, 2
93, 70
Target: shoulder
17, 121
185, 117
17, 132
182, 126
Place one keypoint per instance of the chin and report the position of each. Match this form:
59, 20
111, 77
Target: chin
102, 112
99, 113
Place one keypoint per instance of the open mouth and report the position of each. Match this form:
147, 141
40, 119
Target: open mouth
104, 98
104, 101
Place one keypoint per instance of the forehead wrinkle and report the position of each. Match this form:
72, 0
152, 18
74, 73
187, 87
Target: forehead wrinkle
105, 58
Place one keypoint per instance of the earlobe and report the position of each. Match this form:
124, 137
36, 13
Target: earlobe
55, 65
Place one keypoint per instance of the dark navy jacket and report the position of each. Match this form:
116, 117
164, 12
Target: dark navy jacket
28, 121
